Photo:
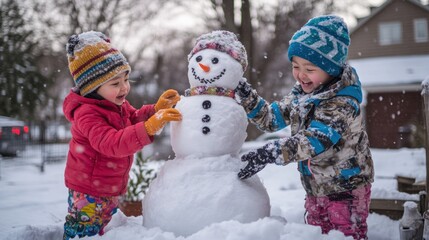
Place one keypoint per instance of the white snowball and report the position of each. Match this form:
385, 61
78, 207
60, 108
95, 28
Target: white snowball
192, 193
228, 123
226, 72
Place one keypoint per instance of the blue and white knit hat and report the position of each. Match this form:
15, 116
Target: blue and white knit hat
323, 41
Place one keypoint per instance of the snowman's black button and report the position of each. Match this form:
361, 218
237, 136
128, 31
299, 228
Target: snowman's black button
206, 118
207, 104
206, 130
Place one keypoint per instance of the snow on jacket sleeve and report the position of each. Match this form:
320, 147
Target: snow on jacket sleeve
269, 117
108, 140
331, 118
331, 121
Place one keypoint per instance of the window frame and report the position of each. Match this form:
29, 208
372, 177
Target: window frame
390, 33
424, 27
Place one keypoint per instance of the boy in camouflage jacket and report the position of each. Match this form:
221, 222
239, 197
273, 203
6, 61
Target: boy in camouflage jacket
328, 140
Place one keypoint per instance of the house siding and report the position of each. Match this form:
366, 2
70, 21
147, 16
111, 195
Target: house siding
389, 111
365, 42
389, 114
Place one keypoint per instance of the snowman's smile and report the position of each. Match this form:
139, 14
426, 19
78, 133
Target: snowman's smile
206, 81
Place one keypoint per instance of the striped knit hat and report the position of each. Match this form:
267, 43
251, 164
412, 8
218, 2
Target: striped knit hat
223, 41
323, 41
93, 61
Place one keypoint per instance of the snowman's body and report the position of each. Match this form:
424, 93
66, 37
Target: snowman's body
206, 129
200, 186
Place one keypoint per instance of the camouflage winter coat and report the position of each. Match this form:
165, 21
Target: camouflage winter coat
328, 140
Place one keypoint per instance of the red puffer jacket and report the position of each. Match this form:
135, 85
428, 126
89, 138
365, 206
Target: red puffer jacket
104, 138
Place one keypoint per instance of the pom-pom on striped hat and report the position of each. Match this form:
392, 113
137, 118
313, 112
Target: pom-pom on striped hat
93, 61
323, 41
223, 41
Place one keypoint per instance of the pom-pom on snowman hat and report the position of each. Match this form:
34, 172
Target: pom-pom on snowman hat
222, 41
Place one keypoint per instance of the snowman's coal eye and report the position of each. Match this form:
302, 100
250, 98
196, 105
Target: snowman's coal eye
215, 60
199, 58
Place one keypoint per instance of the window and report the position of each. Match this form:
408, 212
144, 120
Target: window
390, 33
420, 30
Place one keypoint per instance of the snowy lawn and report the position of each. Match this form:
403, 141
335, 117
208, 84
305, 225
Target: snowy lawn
33, 204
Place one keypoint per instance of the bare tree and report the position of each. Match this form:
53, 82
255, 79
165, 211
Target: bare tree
126, 19
55, 21
159, 55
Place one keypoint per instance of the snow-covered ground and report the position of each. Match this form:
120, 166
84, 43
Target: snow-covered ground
33, 204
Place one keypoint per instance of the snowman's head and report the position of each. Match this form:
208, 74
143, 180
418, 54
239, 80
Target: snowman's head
214, 69
218, 59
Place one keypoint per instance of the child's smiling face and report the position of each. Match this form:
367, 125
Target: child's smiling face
116, 89
308, 75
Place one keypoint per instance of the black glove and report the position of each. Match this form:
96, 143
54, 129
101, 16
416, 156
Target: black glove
257, 159
243, 89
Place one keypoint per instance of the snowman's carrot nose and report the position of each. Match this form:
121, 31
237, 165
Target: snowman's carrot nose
204, 67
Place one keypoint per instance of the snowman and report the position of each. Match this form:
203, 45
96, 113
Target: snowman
200, 186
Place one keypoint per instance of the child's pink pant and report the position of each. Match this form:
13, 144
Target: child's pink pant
346, 212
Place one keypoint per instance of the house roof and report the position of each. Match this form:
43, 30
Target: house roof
380, 9
390, 71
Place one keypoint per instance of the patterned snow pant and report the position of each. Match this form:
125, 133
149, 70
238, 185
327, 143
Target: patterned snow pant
88, 215
346, 212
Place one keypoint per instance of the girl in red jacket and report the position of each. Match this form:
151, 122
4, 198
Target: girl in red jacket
106, 131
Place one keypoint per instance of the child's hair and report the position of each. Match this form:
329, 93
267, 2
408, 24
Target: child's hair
93, 61
323, 41
94, 95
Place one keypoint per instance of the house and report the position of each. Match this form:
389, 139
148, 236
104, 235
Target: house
390, 51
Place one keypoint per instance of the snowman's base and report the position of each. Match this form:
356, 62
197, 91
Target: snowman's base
192, 193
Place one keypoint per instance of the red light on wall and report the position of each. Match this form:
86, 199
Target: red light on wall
26, 129
16, 131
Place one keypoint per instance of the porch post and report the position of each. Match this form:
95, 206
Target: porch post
425, 94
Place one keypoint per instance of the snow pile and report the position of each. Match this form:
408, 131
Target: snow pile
33, 204
122, 227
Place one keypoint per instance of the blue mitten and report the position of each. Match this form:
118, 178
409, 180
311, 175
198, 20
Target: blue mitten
259, 158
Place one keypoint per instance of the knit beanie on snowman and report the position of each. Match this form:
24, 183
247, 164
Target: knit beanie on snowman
323, 41
93, 61
222, 41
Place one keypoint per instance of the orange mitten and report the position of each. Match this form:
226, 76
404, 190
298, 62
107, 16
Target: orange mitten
155, 123
167, 100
